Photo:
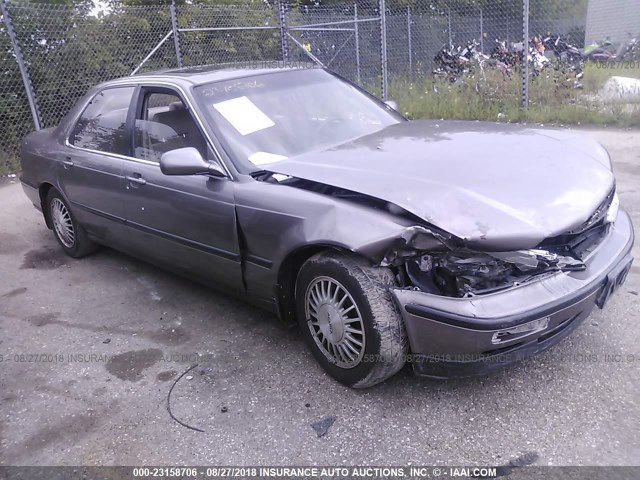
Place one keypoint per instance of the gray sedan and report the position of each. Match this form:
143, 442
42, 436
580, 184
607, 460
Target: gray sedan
458, 247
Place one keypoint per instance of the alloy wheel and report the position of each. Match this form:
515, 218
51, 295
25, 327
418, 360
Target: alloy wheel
62, 223
335, 322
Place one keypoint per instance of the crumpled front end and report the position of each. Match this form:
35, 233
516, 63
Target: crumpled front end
468, 312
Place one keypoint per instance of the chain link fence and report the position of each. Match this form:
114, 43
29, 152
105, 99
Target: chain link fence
417, 33
68, 51
228, 33
345, 37
16, 119
480, 59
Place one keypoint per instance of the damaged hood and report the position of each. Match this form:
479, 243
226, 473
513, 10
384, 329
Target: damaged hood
497, 186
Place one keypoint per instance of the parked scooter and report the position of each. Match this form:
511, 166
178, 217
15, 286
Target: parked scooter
599, 52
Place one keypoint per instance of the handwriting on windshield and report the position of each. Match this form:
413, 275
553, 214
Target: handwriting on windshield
218, 89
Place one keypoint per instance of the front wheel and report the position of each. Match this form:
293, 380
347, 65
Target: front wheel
71, 236
349, 319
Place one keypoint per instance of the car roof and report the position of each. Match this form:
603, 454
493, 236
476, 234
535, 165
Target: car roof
213, 73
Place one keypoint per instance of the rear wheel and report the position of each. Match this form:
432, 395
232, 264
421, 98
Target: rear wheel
71, 236
349, 319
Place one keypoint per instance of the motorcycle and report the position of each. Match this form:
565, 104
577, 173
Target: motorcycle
453, 62
562, 49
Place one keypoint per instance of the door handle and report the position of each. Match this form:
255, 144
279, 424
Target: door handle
136, 179
67, 162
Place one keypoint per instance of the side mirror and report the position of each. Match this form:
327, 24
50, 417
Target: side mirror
392, 103
188, 161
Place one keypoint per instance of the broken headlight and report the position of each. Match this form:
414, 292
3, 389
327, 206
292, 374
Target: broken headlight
466, 273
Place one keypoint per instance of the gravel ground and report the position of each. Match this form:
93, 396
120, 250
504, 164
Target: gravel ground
111, 334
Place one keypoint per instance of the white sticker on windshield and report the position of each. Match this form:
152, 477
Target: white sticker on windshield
243, 114
263, 158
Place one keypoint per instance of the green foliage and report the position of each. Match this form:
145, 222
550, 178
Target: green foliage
553, 100
69, 46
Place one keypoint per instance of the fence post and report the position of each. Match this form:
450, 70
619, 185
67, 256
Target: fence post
506, 29
449, 26
24, 73
282, 18
356, 33
409, 41
176, 33
383, 48
525, 55
481, 31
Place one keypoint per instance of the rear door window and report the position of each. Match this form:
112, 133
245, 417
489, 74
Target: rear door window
101, 126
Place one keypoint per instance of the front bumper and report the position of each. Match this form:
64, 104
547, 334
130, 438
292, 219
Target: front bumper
462, 337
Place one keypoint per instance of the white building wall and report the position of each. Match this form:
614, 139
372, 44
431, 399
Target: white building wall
617, 19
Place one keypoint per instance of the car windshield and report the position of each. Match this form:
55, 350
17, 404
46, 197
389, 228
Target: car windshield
267, 118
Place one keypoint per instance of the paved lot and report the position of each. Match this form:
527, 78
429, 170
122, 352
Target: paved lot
111, 334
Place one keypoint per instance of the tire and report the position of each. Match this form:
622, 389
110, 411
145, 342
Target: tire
71, 236
339, 295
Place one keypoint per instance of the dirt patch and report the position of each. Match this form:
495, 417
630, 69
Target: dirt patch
9, 397
42, 319
14, 293
46, 258
166, 376
166, 336
628, 168
70, 428
100, 391
170, 336
130, 365
11, 243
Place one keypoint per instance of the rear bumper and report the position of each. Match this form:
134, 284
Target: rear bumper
461, 337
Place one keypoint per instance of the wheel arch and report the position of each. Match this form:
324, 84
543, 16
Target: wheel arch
288, 273
43, 191
384, 335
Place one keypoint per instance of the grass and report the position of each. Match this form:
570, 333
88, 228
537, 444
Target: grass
596, 75
495, 96
8, 165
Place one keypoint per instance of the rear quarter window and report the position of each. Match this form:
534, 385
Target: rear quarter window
102, 124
